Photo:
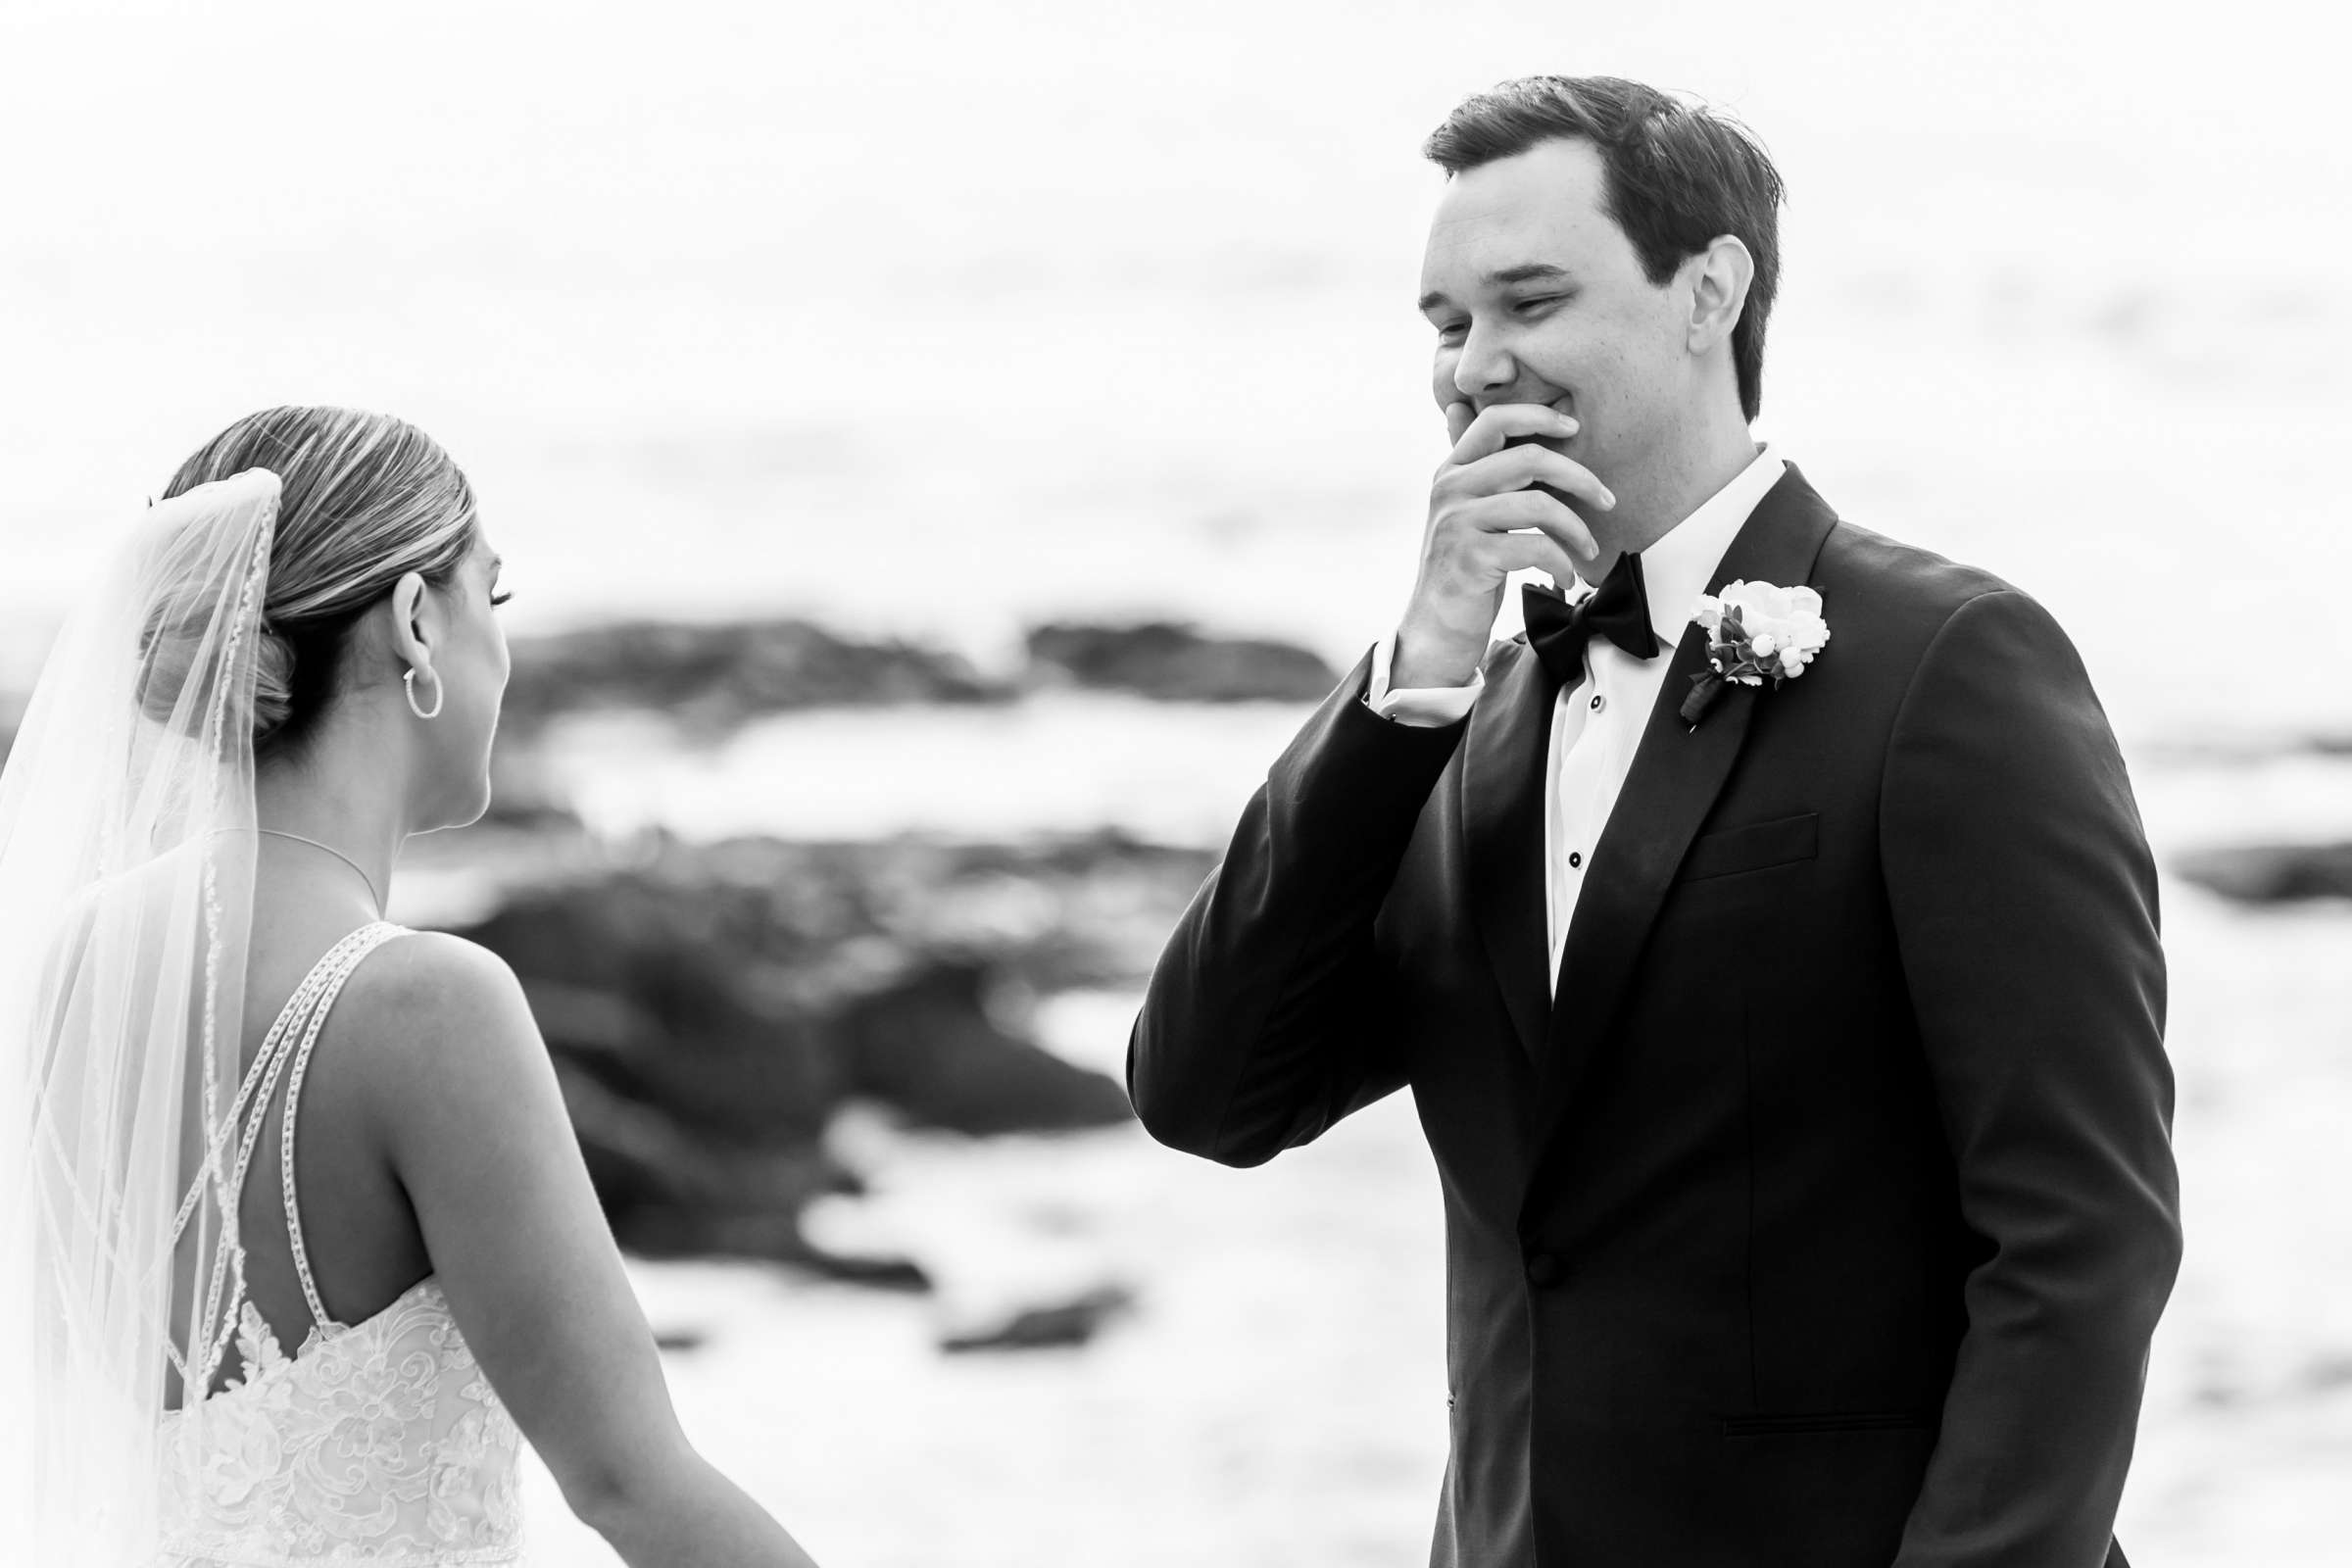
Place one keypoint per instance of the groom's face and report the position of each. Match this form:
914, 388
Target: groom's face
1537, 297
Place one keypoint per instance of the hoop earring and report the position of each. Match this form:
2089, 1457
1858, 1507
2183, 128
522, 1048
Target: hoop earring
410, 681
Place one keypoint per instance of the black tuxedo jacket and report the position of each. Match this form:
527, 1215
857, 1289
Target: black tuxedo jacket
1823, 1217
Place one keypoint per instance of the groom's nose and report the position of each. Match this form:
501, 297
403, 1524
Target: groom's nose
1485, 368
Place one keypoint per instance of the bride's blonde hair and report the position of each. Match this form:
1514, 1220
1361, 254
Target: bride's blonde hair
365, 499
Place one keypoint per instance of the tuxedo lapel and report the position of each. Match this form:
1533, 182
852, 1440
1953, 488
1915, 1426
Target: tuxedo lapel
1504, 754
1678, 771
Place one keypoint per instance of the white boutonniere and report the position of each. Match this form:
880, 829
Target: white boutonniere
1755, 632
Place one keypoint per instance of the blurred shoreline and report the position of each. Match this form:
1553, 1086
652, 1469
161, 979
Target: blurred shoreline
717, 1008
875, 860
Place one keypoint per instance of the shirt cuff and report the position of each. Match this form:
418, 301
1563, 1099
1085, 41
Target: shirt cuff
1422, 708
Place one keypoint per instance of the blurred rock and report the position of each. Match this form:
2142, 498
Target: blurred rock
709, 1009
1176, 663
927, 1047
712, 678
1050, 914
2271, 873
1060, 1325
2327, 1373
2222, 746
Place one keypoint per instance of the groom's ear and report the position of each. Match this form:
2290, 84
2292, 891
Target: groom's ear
1719, 277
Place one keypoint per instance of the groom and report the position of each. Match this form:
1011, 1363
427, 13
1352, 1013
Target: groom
1792, 1045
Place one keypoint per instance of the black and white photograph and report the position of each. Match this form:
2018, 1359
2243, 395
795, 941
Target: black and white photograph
1290, 785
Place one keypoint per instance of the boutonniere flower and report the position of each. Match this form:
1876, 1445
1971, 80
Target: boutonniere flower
1755, 632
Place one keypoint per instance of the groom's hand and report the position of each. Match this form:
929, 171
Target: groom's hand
1486, 522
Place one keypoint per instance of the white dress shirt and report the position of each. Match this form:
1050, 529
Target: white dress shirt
1598, 722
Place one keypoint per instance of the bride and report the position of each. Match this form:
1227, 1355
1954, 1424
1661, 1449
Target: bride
296, 1244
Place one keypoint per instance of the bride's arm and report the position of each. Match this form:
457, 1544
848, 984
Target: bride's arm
477, 1134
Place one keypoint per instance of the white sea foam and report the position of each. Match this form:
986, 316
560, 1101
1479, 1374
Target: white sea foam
1171, 772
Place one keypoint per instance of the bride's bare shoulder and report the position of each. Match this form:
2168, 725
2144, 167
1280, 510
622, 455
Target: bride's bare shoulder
432, 975
435, 1009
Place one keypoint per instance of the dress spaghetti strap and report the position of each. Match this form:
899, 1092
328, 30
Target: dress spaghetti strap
362, 942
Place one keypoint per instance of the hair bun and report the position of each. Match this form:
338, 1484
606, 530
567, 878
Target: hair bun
273, 681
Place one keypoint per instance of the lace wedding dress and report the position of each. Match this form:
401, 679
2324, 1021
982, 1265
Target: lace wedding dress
379, 1441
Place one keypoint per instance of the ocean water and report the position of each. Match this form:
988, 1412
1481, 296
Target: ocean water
940, 321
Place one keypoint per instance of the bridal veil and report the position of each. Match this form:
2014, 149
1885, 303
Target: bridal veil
126, 863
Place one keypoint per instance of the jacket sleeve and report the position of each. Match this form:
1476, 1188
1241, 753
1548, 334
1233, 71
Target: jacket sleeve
1266, 1020
2024, 900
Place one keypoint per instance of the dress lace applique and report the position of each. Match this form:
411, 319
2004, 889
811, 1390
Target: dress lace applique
379, 1443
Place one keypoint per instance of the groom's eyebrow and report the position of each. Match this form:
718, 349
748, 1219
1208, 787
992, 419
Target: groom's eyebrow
1524, 272
1528, 272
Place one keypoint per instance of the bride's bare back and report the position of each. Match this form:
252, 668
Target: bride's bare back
359, 1228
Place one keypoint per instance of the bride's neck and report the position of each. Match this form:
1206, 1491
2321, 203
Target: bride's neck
340, 797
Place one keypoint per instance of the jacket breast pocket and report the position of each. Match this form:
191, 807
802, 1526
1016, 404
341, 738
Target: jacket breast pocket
1757, 847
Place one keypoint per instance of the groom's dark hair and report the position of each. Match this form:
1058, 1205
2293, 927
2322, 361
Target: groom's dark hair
1678, 176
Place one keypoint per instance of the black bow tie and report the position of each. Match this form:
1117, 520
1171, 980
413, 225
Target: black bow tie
1618, 609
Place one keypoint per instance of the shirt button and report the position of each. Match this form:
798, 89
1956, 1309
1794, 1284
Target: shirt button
1576, 858
1545, 1269
1598, 701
